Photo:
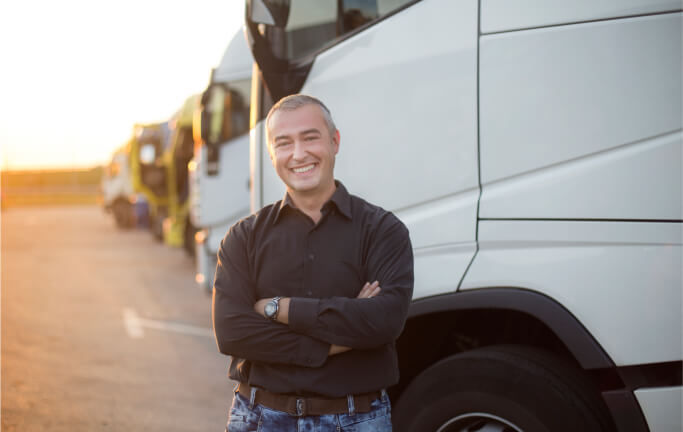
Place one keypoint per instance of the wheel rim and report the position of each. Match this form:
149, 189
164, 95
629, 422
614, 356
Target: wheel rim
478, 422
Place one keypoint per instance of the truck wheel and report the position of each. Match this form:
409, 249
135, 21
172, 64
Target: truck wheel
503, 389
156, 226
123, 213
188, 239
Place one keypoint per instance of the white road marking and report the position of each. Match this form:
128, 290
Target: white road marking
134, 326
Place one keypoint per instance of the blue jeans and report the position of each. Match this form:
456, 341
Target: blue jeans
257, 418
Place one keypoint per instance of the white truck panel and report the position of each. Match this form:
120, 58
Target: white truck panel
237, 60
586, 266
446, 221
554, 94
206, 254
605, 185
439, 211
438, 269
441, 235
385, 162
224, 198
662, 408
506, 15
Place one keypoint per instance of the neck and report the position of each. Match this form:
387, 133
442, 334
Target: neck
312, 204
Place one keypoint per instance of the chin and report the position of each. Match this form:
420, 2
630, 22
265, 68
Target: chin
303, 187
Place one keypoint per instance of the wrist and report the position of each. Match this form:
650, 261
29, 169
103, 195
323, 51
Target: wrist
283, 312
271, 308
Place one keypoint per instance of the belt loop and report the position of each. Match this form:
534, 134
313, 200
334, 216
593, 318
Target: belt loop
301, 407
385, 396
252, 398
352, 408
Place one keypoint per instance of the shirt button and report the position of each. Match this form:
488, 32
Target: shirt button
310, 293
311, 257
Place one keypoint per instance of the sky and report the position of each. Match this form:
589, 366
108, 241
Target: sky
76, 75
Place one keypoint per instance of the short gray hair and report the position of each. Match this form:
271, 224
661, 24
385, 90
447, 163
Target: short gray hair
292, 102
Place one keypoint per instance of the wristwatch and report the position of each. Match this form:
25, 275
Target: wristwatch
271, 308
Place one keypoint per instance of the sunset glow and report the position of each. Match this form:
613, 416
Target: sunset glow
77, 75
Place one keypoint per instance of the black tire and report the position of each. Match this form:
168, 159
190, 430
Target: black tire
501, 388
156, 225
123, 214
188, 242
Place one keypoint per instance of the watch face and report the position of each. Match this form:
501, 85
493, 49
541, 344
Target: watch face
269, 309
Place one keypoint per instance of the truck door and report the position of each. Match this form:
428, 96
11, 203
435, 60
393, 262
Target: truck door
404, 97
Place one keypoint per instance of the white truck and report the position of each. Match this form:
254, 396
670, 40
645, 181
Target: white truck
219, 172
116, 189
534, 150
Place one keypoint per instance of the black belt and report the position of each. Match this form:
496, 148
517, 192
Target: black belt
303, 406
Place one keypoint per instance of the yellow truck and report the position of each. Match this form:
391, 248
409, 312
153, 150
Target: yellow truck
160, 153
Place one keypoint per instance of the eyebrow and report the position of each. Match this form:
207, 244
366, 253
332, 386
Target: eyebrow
305, 132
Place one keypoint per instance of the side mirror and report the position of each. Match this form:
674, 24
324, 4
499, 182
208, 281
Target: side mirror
268, 12
216, 115
147, 154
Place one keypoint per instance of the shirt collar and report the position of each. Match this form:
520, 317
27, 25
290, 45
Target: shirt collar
340, 198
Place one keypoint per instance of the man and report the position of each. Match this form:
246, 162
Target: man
311, 292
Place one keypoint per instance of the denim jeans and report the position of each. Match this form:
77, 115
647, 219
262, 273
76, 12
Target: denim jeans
257, 418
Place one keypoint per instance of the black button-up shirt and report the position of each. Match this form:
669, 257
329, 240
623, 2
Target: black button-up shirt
279, 251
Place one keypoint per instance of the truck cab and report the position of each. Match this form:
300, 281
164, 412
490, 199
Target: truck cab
149, 174
219, 174
117, 195
534, 152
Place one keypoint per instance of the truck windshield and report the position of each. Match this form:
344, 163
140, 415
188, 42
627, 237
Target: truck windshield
286, 35
225, 111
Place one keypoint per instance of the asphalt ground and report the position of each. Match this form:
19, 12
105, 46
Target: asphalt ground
103, 329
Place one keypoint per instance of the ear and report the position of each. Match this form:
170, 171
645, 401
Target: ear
336, 138
270, 152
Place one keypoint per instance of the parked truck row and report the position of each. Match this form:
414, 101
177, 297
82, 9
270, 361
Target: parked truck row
533, 150
191, 171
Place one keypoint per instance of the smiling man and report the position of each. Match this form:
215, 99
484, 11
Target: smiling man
311, 292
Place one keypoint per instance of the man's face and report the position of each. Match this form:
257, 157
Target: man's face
302, 150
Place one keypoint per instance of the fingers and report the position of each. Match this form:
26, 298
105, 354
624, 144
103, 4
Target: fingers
369, 290
363, 291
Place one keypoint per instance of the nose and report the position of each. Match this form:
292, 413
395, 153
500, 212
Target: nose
299, 150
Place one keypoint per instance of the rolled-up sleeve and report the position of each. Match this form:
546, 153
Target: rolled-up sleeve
239, 330
365, 323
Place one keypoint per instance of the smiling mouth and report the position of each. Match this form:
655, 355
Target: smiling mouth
304, 169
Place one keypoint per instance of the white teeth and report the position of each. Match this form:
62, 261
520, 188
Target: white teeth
303, 169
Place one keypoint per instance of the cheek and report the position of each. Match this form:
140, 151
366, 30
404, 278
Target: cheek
277, 158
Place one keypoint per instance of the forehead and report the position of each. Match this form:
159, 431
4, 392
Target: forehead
287, 122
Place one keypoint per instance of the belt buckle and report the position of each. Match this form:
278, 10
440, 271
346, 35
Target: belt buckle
300, 407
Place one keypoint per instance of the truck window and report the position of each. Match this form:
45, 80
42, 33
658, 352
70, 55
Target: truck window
313, 25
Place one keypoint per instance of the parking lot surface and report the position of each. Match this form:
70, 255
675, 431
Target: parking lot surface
103, 329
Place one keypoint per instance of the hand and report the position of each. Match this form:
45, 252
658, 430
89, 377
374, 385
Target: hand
369, 290
337, 349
